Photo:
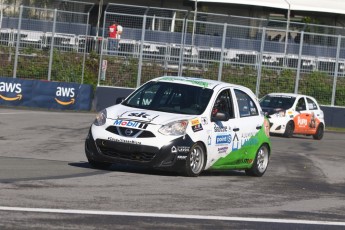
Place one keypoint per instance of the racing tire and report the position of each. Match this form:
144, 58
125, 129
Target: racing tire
319, 132
260, 163
290, 127
195, 161
99, 165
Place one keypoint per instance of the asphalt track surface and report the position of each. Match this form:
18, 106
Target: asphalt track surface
46, 183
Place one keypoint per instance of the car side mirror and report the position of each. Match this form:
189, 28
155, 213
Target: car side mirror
221, 117
119, 100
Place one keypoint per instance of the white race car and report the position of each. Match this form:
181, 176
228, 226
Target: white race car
293, 114
183, 124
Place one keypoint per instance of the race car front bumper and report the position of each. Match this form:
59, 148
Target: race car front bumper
278, 125
171, 155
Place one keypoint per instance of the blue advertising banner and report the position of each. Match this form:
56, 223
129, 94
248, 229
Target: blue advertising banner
45, 94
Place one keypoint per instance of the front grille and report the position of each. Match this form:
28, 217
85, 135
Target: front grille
146, 134
128, 132
112, 129
125, 151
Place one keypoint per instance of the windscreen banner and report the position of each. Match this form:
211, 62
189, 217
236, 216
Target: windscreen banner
45, 94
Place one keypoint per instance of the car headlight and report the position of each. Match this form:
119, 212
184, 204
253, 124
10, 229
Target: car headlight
175, 128
101, 118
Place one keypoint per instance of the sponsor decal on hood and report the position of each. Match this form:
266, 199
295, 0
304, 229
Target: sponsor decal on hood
124, 113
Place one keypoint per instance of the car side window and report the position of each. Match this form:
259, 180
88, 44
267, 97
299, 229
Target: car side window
246, 105
223, 104
311, 104
301, 105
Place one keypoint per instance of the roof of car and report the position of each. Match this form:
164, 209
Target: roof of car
286, 94
206, 83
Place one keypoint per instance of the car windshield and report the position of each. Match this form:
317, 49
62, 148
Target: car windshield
171, 98
277, 102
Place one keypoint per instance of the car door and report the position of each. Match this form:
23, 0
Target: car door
223, 138
302, 118
315, 115
249, 122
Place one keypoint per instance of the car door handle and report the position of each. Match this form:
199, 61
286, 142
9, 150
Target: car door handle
258, 127
236, 129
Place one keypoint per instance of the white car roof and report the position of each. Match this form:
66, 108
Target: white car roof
291, 95
287, 94
205, 83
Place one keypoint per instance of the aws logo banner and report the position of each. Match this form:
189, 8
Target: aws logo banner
45, 94
14, 92
65, 95
60, 95
10, 91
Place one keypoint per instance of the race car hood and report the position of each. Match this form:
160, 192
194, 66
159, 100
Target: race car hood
269, 111
120, 112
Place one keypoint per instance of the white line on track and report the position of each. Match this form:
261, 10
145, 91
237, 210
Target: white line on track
162, 215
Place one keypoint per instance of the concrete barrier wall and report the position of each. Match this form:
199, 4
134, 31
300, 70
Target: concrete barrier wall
334, 116
107, 96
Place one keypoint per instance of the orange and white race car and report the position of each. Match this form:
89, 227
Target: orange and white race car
293, 114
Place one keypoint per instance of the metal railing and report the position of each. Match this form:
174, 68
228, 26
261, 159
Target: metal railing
256, 56
157, 41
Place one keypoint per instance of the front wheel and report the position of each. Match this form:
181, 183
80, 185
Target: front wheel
290, 126
260, 163
319, 132
195, 161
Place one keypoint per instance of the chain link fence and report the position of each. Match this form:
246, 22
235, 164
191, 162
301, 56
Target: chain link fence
36, 43
56, 45
260, 54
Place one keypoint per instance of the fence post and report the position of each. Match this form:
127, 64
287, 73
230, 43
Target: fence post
299, 62
141, 49
18, 42
52, 47
336, 71
1, 13
101, 49
84, 53
257, 90
220, 70
183, 42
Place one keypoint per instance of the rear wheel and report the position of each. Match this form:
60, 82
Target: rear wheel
260, 163
196, 160
289, 129
319, 132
